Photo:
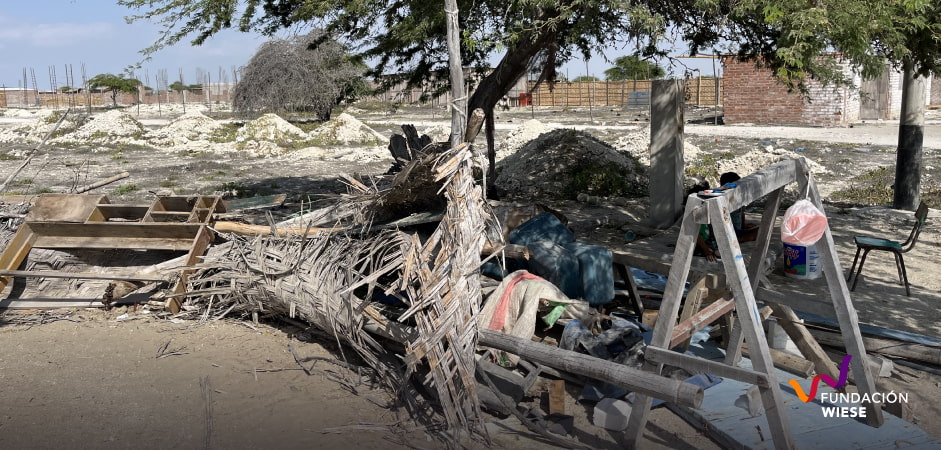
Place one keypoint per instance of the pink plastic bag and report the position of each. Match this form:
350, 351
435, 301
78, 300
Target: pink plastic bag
803, 224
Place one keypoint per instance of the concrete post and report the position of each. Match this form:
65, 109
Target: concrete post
666, 152
911, 137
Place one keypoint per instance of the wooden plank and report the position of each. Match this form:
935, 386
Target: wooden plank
673, 293
916, 352
734, 264
624, 273
76, 275
690, 307
786, 361
199, 246
105, 242
265, 230
104, 213
16, 251
262, 202
64, 207
700, 365
700, 320
50, 303
557, 397
843, 305
652, 264
117, 229
796, 301
757, 185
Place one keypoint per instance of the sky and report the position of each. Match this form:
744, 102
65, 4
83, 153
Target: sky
39, 34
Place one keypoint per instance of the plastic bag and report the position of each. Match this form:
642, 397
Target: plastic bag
803, 224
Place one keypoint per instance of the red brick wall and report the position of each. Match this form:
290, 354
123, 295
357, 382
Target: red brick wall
753, 96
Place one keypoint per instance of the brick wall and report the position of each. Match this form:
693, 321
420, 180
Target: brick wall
751, 95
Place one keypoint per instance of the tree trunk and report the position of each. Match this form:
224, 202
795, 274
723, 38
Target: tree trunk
911, 137
512, 66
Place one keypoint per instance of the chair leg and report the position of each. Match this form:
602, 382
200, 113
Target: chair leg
858, 271
908, 292
849, 276
898, 267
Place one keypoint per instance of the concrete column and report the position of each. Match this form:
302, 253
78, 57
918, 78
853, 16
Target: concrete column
666, 152
911, 137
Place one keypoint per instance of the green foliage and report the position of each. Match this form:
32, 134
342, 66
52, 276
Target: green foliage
226, 133
126, 189
606, 180
585, 78
114, 84
633, 68
871, 188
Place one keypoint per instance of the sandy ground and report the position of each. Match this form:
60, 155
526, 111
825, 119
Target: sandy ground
95, 382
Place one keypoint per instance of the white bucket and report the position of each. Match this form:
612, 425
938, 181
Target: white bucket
801, 262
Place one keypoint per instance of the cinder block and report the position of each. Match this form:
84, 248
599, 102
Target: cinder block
611, 414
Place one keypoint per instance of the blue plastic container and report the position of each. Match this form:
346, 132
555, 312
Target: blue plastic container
556, 265
543, 227
595, 273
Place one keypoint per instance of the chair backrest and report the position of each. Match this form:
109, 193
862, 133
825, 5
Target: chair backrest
921, 215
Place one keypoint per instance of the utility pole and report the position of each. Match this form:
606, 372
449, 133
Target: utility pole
911, 137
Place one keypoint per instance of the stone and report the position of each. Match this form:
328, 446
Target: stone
612, 414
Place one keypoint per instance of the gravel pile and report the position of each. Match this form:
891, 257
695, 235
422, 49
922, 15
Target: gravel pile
518, 137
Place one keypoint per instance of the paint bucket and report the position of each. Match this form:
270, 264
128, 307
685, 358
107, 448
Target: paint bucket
801, 262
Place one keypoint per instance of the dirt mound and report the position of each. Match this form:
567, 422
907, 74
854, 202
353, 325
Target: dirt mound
565, 163
345, 130
516, 139
438, 133
112, 126
272, 128
637, 144
188, 127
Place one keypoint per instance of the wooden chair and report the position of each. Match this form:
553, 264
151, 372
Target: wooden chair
866, 244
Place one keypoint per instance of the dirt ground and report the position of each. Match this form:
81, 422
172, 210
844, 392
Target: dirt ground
92, 379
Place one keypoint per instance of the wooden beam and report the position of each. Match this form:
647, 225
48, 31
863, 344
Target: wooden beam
16, 251
265, 230
77, 275
788, 362
916, 352
690, 307
695, 364
673, 391
700, 320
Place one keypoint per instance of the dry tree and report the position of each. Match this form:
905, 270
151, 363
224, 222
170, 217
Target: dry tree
308, 73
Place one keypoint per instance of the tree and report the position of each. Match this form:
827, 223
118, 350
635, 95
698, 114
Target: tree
633, 68
407, 37
113, 84
294, 74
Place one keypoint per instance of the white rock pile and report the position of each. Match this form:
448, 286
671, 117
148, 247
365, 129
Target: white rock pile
346, 130
271, 128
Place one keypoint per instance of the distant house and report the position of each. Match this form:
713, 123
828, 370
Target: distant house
752, 95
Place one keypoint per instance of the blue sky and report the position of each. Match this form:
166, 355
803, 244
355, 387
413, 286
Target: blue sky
37, 34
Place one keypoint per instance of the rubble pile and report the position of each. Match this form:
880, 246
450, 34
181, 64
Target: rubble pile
112, 126
637, 144
516, 139
568, 162
438, 133
271, 128
46, 122
188, 127
761, 158
345, 130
